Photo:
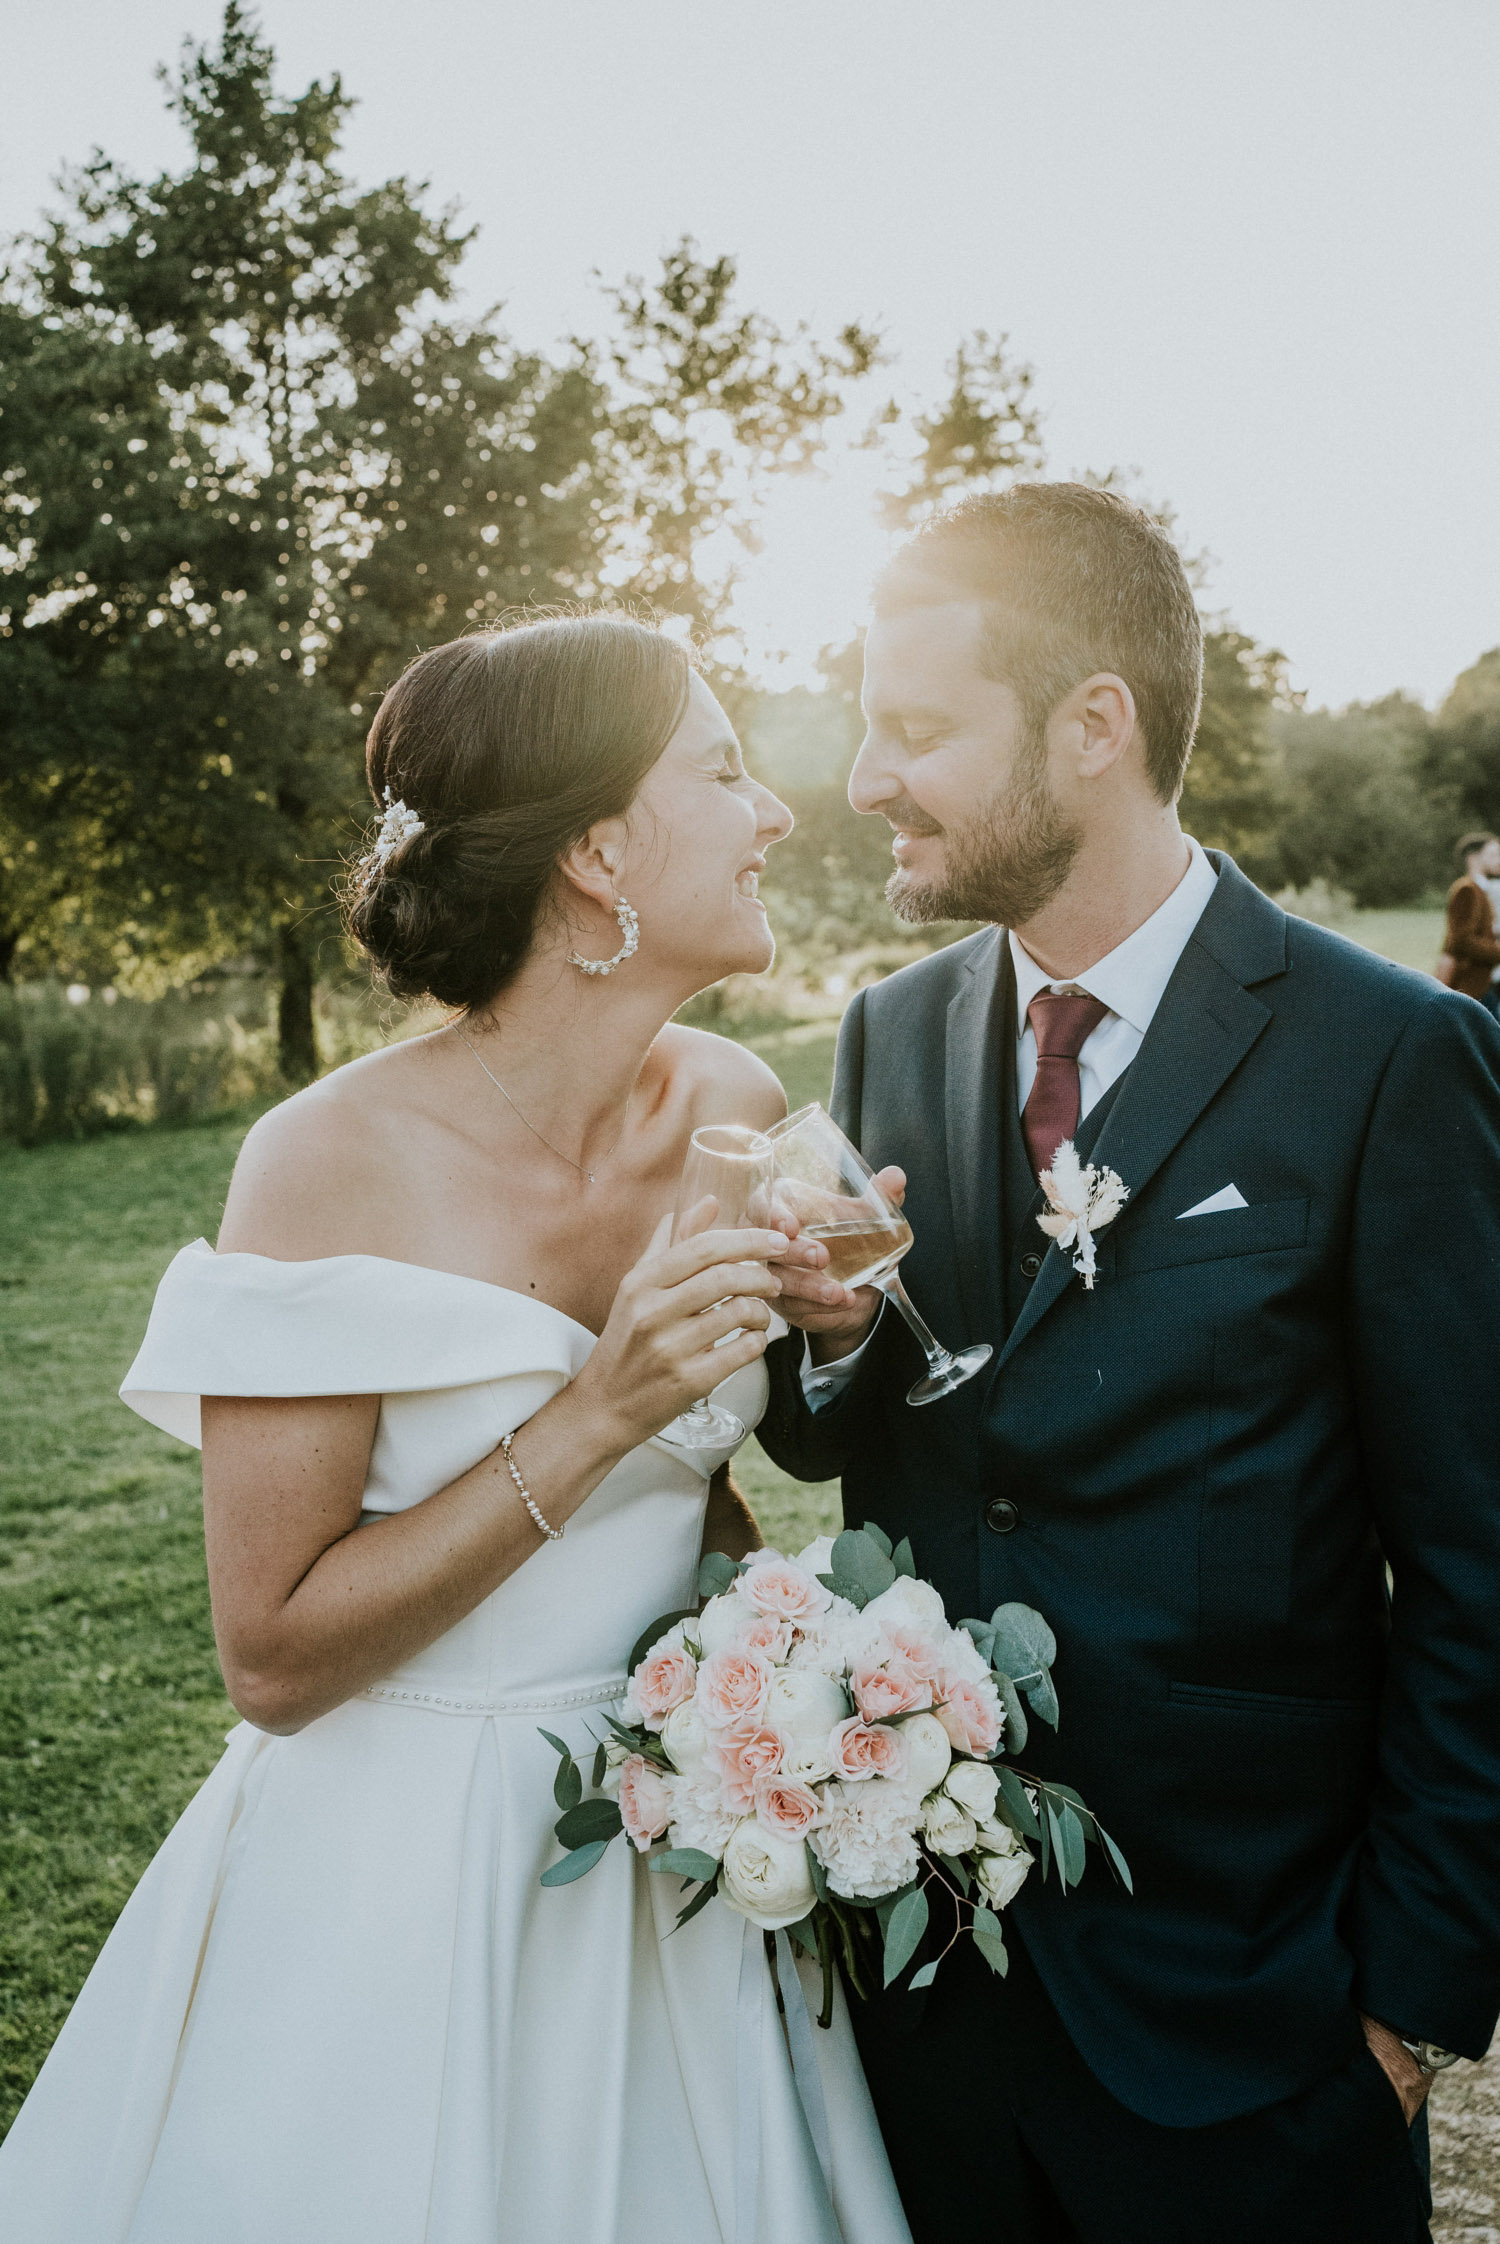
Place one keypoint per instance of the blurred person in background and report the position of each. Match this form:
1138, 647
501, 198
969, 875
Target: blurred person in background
1471, 951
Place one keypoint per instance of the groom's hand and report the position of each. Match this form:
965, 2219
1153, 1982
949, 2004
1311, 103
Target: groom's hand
835, 1318
1397, 2063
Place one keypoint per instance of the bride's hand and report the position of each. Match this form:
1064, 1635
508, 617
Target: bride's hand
656, 1355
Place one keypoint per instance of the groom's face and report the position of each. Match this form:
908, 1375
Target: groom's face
952, 761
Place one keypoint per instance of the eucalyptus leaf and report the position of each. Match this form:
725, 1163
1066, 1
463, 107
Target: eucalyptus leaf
557, 1745
903, 1933
650, 1636
1016, 1731
590, 1820
686, 1862
902, 1560
990, 1941
716, 1573
601, 1765
983, 1635
844, 1585
567, 1785
1024, 1645
574, 1865
1074, 1852
1121, 1865
817, 1873
878, 1537
1054, 1832
857, 1558
1019, 1813
700, 1900
888, 1903
956, 1872
1042, 1694
924, 1977
805, 1935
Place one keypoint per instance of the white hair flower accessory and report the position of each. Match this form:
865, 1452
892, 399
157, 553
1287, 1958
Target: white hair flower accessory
397, 827
1080, 1201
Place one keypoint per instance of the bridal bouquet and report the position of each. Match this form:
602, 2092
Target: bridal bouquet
820, 1748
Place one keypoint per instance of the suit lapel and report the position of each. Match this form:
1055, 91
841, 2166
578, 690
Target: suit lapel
971, 1105
1205, 1024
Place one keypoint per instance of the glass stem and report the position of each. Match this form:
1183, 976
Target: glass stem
938, 1358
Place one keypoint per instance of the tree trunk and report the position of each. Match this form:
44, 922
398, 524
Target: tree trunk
296, 1042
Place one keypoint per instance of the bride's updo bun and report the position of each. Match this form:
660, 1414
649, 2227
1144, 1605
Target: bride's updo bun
506, 746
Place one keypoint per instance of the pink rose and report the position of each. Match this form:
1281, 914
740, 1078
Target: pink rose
764, 1633
786, 1809
778, 1586
916, 1652
645, 1800
739, 1758
880, 1692
970, 1713
862, 1750
662, 1681
732, 1687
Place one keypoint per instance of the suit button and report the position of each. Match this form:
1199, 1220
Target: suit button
1030, 1265
1001, 1515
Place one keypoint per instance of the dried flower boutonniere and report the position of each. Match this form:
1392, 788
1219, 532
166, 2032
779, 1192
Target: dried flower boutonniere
1080, 1201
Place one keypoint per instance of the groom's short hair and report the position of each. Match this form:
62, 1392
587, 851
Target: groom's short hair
1072, 580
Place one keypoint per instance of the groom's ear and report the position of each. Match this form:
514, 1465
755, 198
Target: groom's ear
1097, 724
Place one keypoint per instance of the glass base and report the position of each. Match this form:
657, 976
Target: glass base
705, 1426
955, 1371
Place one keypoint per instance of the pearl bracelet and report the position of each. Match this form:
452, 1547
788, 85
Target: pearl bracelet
553, 1534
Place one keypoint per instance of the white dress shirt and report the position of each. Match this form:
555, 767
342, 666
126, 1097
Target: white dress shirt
1131, 980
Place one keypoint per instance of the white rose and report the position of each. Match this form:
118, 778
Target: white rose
998, 1838
928, 1752
767, 1879
946, 1828
1000, 1877
805, 1703
909, 1604
683, 1735
818, 1556
716, 1625
807, 1760
975, 1787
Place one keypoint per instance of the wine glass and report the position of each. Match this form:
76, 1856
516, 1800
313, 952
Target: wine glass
724, 1184
822, 1180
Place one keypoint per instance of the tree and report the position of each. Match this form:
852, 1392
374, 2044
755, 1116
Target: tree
1459, 762
984, 434
253, 466
1229, 795
1357, 803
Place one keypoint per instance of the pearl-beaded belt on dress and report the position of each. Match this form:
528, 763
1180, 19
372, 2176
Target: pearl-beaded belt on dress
445, 1702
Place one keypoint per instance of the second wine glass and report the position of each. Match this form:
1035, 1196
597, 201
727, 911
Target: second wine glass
723, 1188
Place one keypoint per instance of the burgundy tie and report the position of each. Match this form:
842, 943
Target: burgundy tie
1062, 1026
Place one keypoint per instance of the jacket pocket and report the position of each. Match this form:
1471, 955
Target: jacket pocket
1269, 1228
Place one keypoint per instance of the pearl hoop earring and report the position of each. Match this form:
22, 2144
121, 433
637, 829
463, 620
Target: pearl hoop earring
630, 929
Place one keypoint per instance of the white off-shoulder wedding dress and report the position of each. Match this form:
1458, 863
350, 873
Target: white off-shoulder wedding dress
339, 2008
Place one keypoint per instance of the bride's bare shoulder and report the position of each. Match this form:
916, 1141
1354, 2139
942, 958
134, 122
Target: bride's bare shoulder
313, 1172
722, 1081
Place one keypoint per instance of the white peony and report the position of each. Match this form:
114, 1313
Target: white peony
807, 1760
818, 1556
1000, 1877
766, 1878
928, 1753
909, 1604
717, 1624
805, 1702
699, 1816
684, 1736
946, 1828
975, 1786
840, 1639
867, 1841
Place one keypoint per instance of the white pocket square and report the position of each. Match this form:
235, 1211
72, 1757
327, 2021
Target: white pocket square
1230, 1197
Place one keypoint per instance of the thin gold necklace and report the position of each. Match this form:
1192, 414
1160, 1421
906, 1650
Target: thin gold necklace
587, 1174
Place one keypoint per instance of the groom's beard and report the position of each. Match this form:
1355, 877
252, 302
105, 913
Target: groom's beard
1005, 865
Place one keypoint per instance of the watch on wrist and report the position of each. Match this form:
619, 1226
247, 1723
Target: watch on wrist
1429, 2056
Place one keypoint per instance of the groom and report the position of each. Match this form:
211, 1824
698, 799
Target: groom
1201, 1471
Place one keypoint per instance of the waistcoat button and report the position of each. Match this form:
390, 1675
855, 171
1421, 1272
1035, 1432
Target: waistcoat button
1030, 1265
1001, 1515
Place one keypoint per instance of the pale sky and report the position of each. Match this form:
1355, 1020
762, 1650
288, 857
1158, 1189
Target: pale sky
1250, 247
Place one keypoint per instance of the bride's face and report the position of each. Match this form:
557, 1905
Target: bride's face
696, 842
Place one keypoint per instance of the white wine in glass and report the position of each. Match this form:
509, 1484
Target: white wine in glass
724, 1187
825, 1182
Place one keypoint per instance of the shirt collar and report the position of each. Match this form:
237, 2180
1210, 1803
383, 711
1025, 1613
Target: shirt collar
1132, 978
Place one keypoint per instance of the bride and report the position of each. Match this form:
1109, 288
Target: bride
339, 2008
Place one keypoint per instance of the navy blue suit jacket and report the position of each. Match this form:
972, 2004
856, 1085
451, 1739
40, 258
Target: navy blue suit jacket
1215, 1457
